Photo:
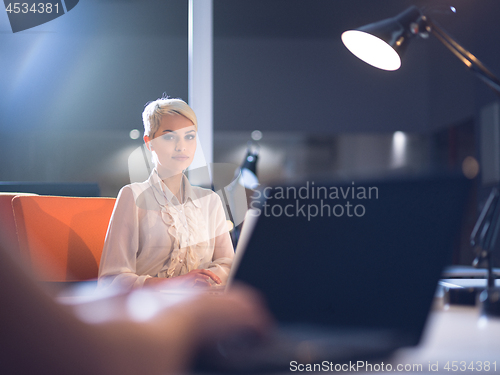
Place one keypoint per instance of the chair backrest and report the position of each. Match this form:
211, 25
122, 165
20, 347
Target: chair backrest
62, 237
8, 237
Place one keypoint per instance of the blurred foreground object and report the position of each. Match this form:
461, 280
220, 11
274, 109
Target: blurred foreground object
39, 335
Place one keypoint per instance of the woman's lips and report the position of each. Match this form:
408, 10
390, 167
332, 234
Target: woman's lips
180, 157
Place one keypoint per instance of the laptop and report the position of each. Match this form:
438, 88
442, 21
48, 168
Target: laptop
348, 269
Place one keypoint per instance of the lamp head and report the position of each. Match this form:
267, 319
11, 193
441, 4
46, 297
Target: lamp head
382, 43
248, 169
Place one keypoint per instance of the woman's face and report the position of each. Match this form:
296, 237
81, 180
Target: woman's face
173, 144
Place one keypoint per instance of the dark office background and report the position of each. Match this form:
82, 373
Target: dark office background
73, 89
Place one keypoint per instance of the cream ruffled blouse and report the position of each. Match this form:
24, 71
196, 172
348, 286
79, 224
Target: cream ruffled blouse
151, 234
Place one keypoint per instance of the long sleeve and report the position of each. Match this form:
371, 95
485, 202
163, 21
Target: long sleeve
223, 248
119, 256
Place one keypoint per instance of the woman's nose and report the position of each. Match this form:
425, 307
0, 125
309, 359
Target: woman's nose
180, 146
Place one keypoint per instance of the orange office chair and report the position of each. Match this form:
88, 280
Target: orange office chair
8, 237
62, 237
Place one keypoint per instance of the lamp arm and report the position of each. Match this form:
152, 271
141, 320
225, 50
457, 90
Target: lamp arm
471, 61
477, 236
492, 235
491, 239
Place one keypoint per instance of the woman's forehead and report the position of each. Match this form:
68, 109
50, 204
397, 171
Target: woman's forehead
175, 122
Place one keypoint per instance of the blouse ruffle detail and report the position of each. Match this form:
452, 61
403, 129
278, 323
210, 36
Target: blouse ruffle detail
190, 242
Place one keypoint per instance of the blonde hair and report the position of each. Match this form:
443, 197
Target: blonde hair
155, 110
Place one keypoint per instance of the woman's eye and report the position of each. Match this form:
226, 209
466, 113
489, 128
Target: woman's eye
190, 137
168, 137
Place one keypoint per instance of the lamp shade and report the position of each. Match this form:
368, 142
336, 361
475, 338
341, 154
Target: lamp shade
248, 170
383, 43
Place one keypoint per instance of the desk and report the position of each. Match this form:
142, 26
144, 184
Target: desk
467, 272
453, 334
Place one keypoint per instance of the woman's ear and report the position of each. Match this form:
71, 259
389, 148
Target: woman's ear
147, 141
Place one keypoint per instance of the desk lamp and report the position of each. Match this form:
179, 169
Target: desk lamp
248, 168
246, 176
382, 44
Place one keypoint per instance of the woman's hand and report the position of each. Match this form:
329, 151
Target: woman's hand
194, 278
198, 278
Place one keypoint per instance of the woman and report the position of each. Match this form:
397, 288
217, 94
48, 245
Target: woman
165, 230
